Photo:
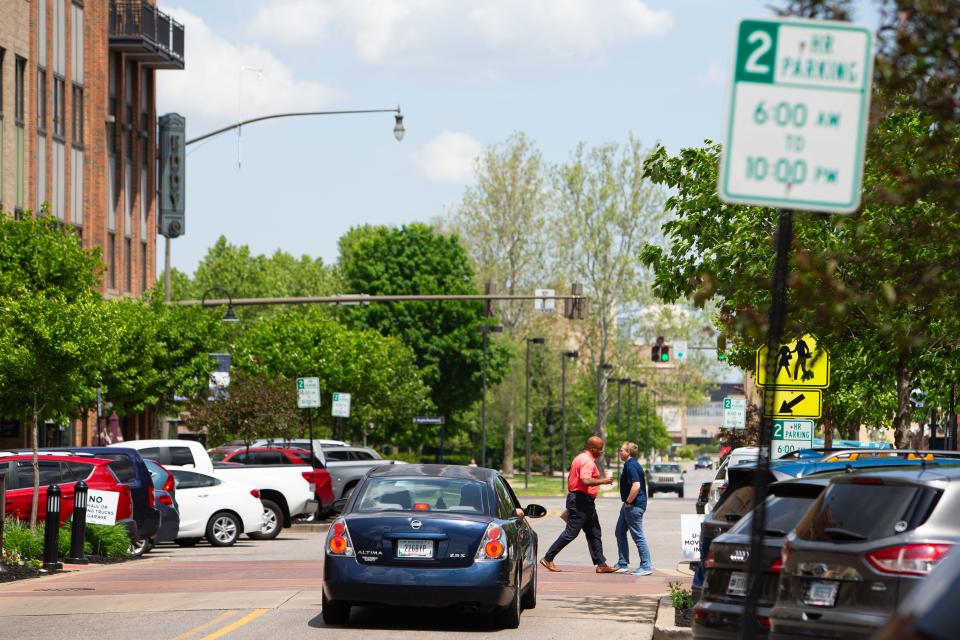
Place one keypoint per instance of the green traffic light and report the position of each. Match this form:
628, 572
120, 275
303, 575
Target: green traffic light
665, 357
721, 356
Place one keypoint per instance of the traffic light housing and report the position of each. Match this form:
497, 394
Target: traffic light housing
665, 353
656, 351
721, 347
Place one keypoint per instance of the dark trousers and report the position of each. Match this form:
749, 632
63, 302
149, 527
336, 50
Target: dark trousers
583, 516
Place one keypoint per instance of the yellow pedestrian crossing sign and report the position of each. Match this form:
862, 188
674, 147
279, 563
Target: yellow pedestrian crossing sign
795, 403
802, 363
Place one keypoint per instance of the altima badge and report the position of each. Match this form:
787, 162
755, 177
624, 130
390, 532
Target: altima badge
415, 524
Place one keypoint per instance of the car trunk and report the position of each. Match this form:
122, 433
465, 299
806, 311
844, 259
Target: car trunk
727, 580
440, 540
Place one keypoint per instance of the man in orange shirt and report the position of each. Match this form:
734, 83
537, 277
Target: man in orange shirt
583, 485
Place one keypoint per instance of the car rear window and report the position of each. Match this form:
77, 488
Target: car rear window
336, 455
122, 467
783, 514
848, 512
180, 456
452, 495
734, 506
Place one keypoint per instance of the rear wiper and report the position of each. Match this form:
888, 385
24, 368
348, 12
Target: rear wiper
732, 517
843, 534
776, 533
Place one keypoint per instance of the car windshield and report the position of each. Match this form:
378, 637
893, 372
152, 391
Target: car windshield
450, 495
666, 468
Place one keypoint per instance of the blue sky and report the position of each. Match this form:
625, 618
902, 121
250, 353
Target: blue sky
467, 74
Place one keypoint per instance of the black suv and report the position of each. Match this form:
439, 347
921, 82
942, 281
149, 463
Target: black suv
862, 548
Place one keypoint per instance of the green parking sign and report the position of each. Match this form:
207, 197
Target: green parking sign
797, 117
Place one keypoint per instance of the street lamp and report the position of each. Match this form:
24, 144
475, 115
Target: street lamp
619, 382
603, 366
563, 411
637, 385
526, 412
486, 329
230, 315
398, 129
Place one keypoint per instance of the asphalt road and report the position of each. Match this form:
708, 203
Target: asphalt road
272, 588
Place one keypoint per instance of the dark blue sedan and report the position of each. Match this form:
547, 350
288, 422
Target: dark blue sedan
432, 535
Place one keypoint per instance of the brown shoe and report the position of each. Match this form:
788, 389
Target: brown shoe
605, 568
548, 565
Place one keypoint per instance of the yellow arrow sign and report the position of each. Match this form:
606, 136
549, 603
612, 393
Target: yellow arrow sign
795, 403
801, 363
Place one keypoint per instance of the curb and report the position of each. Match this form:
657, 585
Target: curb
664, 628
313, 527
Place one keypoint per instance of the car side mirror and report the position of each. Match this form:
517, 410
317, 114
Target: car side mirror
534, 511
339, 505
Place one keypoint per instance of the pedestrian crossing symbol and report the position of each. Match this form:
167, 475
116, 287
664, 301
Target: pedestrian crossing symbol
801, 363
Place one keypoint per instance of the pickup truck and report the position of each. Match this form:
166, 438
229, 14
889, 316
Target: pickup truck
285, 490
345, 464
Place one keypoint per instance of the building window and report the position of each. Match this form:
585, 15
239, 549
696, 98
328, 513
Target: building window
59, 203
59, 108
112, 260
128, 262
41, 99
143, 267
77, 115
19, 94
144, 204
77, 43
41, 170
2, 52
76, 197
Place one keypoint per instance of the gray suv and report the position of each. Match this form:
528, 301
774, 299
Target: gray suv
860, 550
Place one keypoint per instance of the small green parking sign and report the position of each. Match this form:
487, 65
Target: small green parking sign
797, 117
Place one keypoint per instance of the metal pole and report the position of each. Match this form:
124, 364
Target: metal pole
619, 428
313, 454
51, 530
483, 406
953, 417
526, 420
778, 312
166, 269
441, 442
563, 420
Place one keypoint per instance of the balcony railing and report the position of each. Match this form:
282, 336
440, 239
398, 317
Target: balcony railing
146, 33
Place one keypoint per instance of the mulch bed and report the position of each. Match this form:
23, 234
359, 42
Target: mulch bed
9, 574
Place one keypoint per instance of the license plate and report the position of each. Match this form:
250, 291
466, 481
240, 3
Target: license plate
821, 594
414, 548
738, 584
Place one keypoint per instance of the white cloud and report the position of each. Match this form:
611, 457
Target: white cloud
463, 34
207, 87
449, 157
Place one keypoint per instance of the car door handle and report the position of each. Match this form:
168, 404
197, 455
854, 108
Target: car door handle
203, 495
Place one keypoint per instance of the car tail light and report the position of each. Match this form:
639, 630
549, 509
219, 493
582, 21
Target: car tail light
170, 484
125, 504
166, 499
866, 481
151, 498
421, 506
338, 539
763, 621
709, 562
775, 566
310, 477
908, 559
699, 614
492, 544
255, 493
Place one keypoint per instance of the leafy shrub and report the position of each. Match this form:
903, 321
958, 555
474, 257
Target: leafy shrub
685, 453
108, 541
680, 596
18, 538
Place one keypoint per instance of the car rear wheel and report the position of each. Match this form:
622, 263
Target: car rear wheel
334, 612
223, 529
272, 522
509, 617
140, 547
187, 542
529, 600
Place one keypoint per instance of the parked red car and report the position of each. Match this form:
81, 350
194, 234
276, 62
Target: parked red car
319, 477
65, 472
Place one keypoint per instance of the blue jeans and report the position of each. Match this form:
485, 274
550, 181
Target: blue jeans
632, 518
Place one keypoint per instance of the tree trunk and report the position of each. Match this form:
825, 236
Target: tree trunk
901, 424
827, 428
508, 438
34, 433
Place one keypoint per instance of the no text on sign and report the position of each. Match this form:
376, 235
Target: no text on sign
801, 363
795, 403
796, 126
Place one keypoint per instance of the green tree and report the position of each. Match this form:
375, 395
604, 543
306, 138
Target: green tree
443, 334
606, 210
379, 372
52, 335
256, 407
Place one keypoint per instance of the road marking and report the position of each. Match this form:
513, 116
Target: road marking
236, 625
223, 617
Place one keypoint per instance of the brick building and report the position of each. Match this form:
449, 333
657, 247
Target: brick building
78, 127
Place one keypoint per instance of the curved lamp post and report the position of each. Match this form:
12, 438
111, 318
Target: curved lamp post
527, 427
230, 315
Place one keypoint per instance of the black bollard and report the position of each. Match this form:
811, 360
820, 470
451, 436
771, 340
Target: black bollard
78, 531
51, 532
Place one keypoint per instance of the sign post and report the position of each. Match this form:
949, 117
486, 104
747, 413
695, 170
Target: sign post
795, 139
433, 420
308, 397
